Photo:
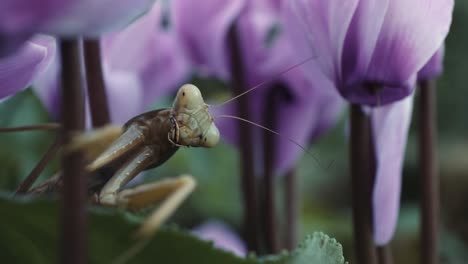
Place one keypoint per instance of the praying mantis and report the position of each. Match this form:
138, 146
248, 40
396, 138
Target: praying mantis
116, 155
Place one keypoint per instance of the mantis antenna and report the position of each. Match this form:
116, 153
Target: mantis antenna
278, 134
265, 82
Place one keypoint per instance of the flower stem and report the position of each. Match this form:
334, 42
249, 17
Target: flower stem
34, 174
269, 155
385, 254
292, 209
45, 126
429, 180
74, 222
96, 86
246, 144
361, 162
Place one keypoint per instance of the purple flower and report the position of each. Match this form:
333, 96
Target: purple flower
20, 19
141, 63
363, 43
18, 70
222, 237
265, 53
371, 41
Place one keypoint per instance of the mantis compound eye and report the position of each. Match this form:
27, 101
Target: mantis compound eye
211, 137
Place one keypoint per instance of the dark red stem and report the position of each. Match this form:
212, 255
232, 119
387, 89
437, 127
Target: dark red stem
36, 172
246, 144
385, 254
95, 81
362, 173
429, 179
269, 155
292, 209
74, 219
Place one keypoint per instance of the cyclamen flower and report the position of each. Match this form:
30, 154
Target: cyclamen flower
141, 63
374, 42
20, 19
18, 70
265, 53
222, 237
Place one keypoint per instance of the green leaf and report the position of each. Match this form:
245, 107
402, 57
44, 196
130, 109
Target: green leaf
30, 234
20, 151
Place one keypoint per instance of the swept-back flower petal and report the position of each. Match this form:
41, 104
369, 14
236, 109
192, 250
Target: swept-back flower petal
299, 116
20, 19
19, 70
434, 66
222, 236
11, 43
361, 40
152, 51
412, 32
93, 18
203, 27
323, 26
390, 125
125, 95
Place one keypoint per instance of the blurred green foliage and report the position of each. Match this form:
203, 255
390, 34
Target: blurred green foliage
29, 229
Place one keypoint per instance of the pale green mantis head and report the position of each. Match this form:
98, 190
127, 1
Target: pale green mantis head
195, 123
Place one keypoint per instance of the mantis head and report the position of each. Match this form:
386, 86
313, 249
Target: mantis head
196, 127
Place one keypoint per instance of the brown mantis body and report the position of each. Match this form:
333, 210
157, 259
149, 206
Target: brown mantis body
146, 141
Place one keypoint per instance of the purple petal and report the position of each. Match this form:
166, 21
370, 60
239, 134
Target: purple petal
136, 40
390, 126
310, 114
46, 87
18, 70
407, 40
222, 236
434, 66
68, 18
361, 39
323, 26
299, 117
151, 51
25, 16
203, 28
262, 60
92, 18
125, 95
387, 93
9, 44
